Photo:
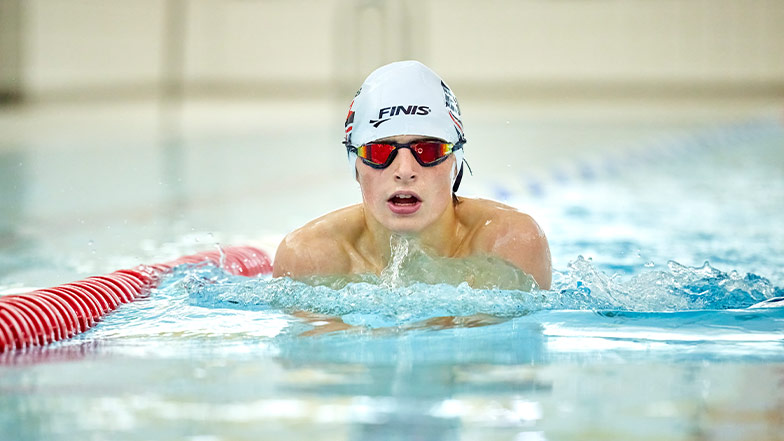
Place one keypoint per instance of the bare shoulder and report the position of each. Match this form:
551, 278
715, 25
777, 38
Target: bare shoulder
319, 246
489, 218
505, 232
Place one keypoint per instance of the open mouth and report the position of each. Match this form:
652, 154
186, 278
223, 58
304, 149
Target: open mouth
404, 199
404, 203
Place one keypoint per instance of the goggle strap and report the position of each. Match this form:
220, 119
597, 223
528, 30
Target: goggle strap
459, 177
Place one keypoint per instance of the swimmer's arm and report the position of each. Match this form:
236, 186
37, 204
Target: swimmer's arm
517, 238
535, 260
287, 263
302, 254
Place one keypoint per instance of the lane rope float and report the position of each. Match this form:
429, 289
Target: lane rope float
48, 315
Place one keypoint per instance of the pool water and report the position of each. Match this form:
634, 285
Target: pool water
662, 323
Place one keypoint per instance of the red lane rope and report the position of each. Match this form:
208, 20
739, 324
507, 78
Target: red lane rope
51, 314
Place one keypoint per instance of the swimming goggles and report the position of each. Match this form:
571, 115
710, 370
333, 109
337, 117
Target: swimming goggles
426, 153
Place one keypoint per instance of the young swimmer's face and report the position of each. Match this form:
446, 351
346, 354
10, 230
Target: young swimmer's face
406, 197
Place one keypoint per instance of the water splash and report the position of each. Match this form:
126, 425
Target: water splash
222, 259
411, 263
399, 247
382, 303
583, 286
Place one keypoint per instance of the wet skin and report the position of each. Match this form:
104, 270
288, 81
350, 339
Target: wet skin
409, 199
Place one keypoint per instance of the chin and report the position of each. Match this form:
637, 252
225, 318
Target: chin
405, 226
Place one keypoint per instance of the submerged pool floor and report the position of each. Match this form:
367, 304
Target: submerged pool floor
663, 243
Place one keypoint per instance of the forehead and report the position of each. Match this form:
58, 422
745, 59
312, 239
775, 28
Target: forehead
405, 139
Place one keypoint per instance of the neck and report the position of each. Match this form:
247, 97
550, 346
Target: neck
442, 238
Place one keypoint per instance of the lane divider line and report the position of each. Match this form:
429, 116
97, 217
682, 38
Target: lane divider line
47, 315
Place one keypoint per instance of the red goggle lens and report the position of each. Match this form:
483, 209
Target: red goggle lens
427, 153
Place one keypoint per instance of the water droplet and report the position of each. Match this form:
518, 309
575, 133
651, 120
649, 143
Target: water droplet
90, 243
649, 264
222, 259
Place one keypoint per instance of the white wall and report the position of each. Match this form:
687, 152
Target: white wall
623, 40
73, 48
255, 42
84, 45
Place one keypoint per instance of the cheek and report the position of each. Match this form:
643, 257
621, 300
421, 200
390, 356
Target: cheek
443, 181
367, 184
367, 194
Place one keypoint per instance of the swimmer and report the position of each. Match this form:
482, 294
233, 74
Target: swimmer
404, 139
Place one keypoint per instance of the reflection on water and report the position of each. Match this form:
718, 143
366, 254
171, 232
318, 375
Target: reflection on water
360, 389
224, 355
15, 242
13, 181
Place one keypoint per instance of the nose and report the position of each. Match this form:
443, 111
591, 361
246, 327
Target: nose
405, 167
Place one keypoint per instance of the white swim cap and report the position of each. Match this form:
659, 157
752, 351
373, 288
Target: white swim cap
404, 98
